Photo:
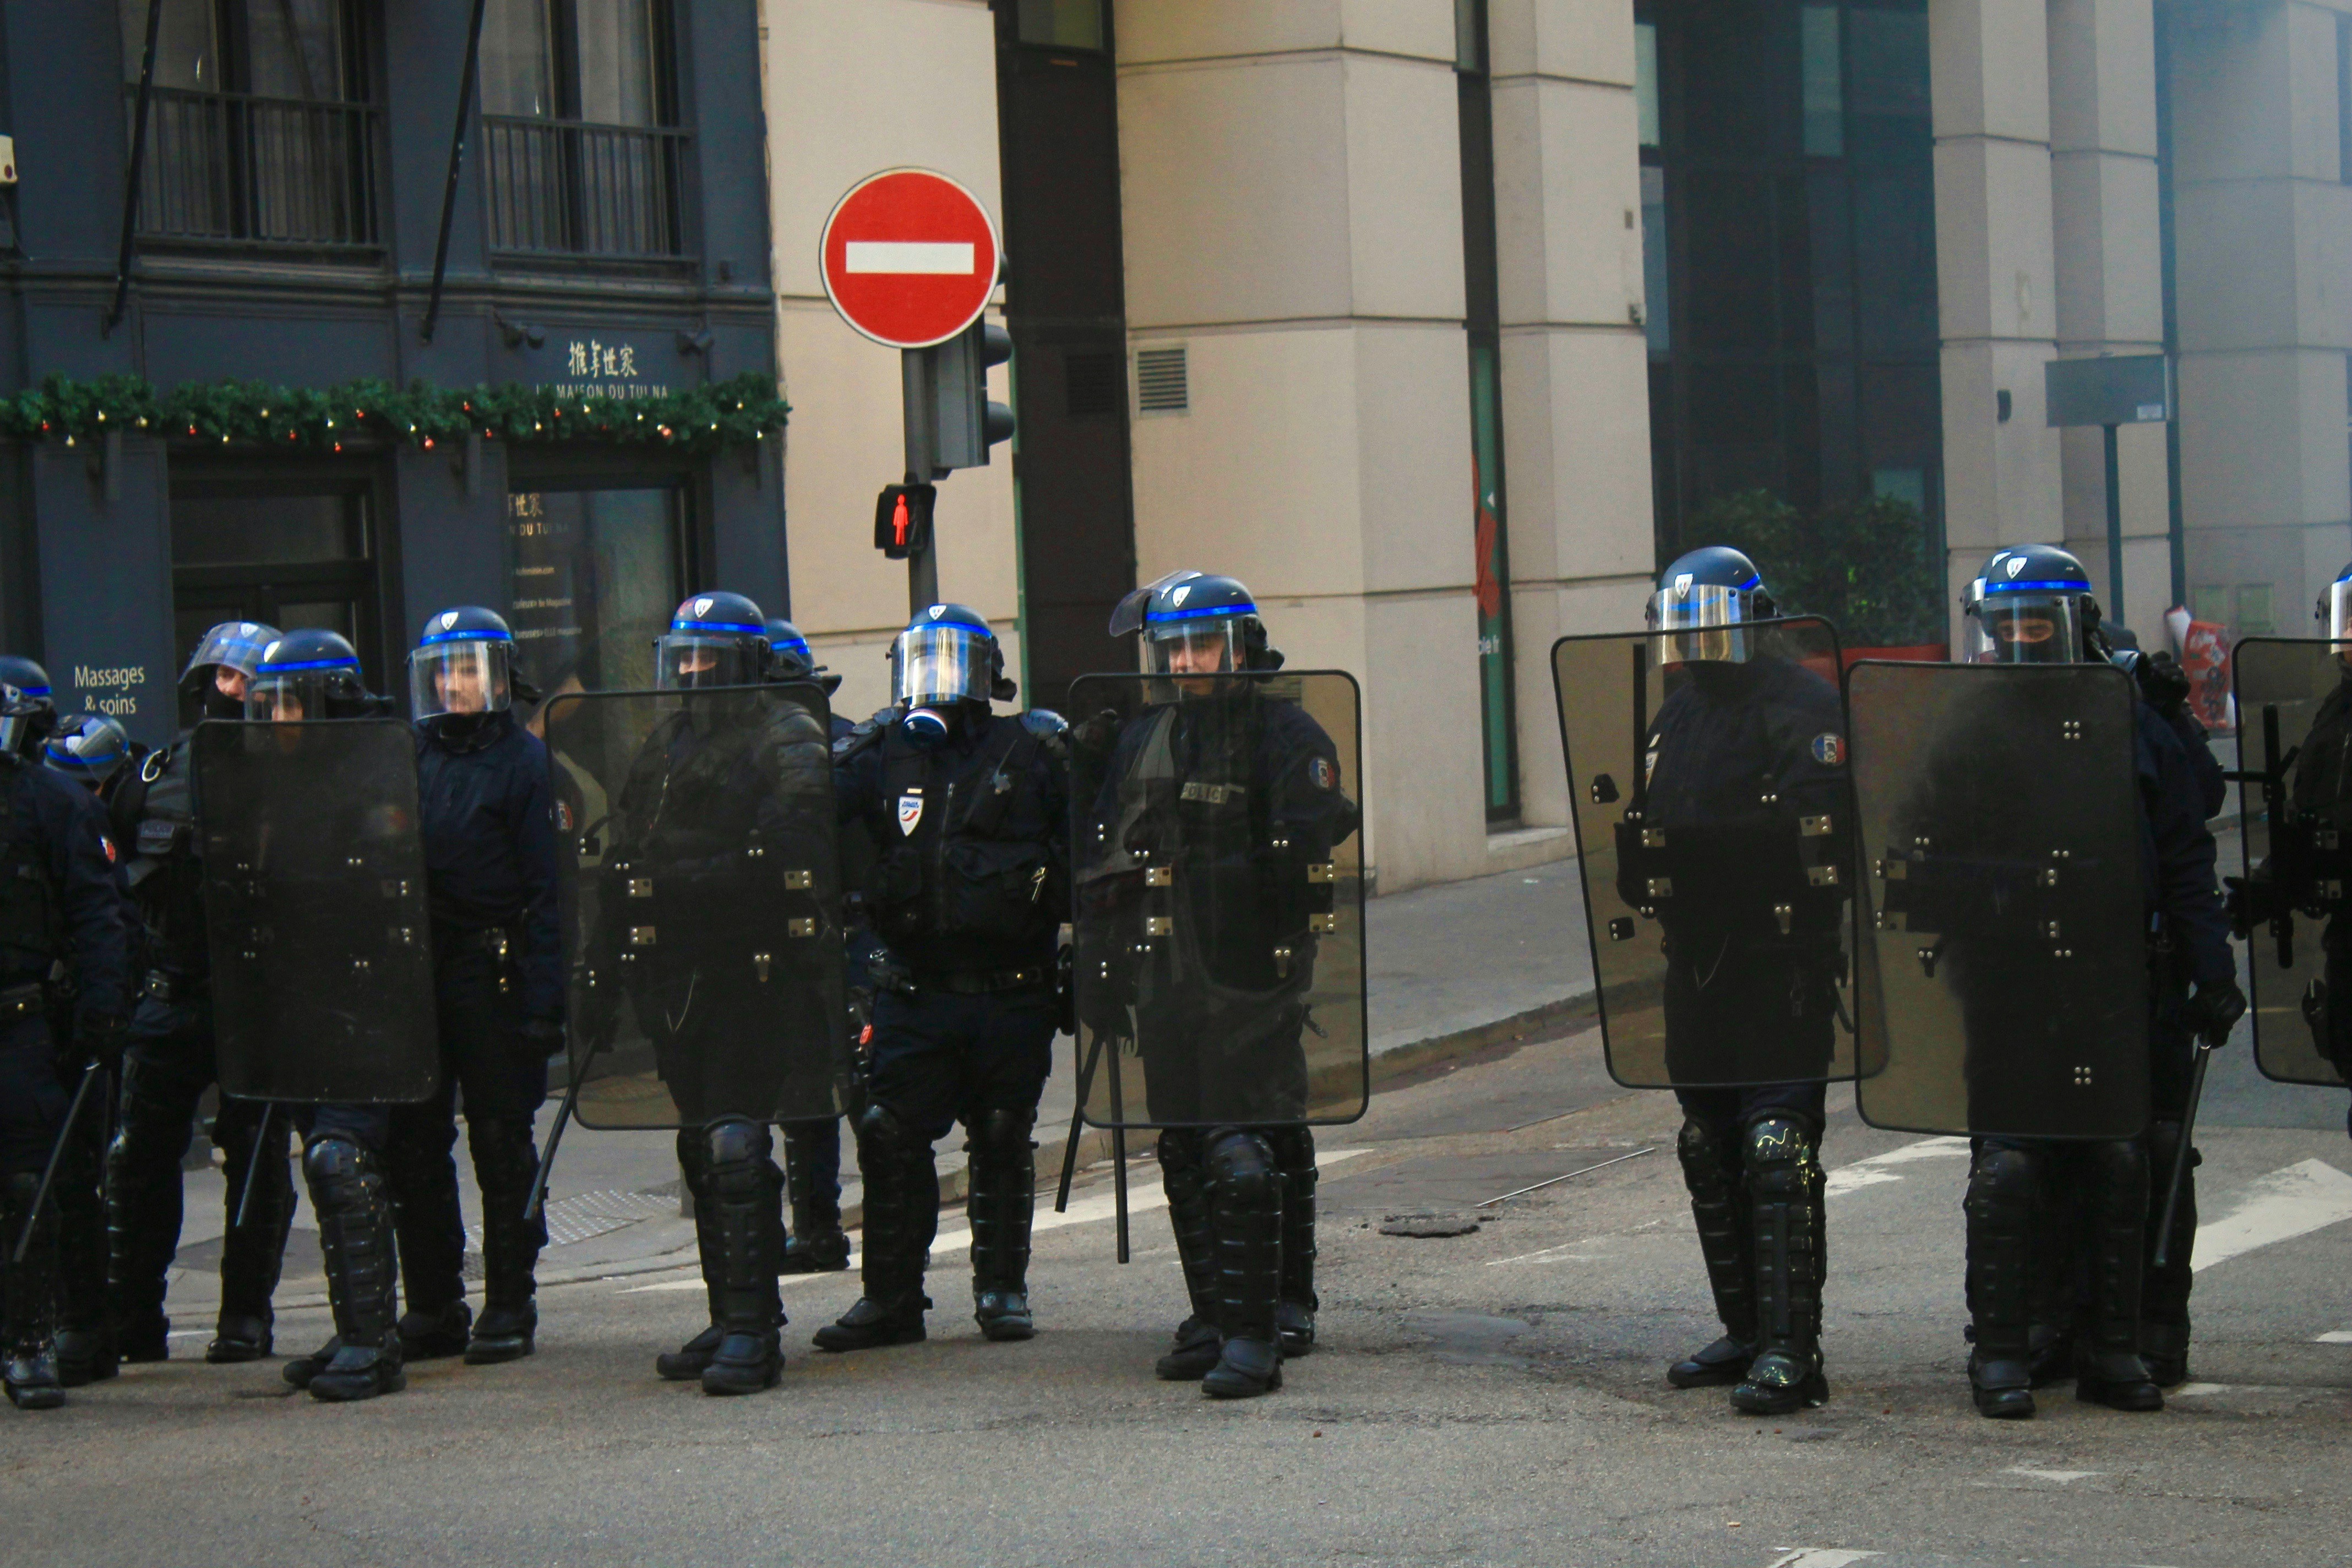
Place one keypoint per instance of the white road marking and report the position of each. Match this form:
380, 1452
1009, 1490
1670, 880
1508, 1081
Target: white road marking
953, 258
1560, 1254
2061, 1477
2335, 1337
2285, 1204
1141, 1199
1871, 1171
1820, 1557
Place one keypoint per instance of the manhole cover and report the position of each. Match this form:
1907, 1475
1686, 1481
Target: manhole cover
1429, 1224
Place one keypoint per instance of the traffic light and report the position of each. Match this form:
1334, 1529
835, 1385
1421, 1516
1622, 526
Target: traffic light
902, 519
965, 423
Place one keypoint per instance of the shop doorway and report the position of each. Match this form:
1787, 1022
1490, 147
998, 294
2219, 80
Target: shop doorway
596, 568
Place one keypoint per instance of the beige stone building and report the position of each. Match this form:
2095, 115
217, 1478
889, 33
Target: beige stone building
1443, 323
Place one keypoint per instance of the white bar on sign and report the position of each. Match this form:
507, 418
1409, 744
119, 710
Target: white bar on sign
951, 258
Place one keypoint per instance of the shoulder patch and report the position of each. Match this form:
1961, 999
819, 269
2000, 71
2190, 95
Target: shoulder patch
1829, 749
1321, 774
105, 842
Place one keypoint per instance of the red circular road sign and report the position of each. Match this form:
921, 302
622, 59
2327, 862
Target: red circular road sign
910, 257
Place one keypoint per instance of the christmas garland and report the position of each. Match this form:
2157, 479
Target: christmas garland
732, 413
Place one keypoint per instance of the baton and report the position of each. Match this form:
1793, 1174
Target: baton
253, 1161
1119, 1155
89, 1075
1077, 1122
2180, 1161
537, 1200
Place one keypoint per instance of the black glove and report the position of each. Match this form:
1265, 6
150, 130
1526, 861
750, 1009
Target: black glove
544, 1036
2251, 900
2216, 1007
102, 1037
890, 972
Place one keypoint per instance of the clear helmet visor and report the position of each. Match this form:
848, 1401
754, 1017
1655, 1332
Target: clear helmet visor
12, 728
1701, 623
1204, 647
2028, 628
2339, 615
287, 698
468, 676
686, 660
939, 664
237, 645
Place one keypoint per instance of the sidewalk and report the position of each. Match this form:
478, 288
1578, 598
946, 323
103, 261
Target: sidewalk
1452, 969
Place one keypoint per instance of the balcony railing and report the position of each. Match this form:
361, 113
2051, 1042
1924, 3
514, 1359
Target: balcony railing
231, 167
566, 187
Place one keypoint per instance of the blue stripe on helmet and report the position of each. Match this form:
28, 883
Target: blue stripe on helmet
310, 664
34, 690
736, 626
1205, 612
469, 634
2050, 587
792, 645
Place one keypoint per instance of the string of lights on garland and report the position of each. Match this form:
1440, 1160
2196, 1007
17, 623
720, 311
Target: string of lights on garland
733, 413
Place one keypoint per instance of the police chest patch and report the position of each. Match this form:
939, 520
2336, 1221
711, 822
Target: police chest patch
1321, 774
1829, 749
1212, 794
108, 843
563, 816
910, 812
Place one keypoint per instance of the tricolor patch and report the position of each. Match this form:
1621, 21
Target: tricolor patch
910, 812
1829, 749
1321, 774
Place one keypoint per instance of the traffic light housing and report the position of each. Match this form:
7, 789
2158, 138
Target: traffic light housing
902, 519
964, 422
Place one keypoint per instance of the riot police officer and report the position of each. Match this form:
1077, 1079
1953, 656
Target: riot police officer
1745, 1002
2034, 606
93, 751
170, 1062
313, 675
40, 717
1238, 792
967, 814
486, 807
814, 1242
61, 914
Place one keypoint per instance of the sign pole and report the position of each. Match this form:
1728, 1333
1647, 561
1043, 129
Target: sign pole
2115, 532
916, 372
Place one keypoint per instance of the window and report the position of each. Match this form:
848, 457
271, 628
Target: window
1062, 24
292, 547
596, 575
1645, 80
2344, 98
1824, 87
258, 128
579, 118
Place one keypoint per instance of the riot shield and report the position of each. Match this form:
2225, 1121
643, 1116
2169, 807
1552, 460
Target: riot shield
315, 910
1218, 870
2001, 835
1716, 843
702, 904
2295, 858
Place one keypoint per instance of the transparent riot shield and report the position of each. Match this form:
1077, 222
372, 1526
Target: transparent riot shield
2000, 836
315, 910
701, 893
1218, 871
1715, 838
2294, 823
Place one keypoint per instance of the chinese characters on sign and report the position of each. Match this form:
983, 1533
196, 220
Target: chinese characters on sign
594, 368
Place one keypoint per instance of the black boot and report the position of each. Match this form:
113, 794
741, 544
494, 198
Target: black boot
252, 1253
1245, 1191
1293, 1151
420, 1174
505, 1165
1198, 1343
2164, 1292
355, 1232
815, 1244
85, 1347
29, 1361
747, 1219
143, 1206
902, 1215
2004, 1185
2114, 1230
1787, 1219
1000, 1204
686, 1363
1719, 1204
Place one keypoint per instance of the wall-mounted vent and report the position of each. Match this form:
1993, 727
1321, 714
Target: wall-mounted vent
1162, 385
1093, 383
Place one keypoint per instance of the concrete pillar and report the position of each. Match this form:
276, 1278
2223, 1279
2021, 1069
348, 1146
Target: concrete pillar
2109, 261
1995, 275
1575, 365
1292, 205
2263, 243
827, 128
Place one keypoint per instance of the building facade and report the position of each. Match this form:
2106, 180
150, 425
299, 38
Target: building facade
292, 225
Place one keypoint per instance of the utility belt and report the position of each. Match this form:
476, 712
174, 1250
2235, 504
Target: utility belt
502, 945
982, 981
21, 1002
167, 986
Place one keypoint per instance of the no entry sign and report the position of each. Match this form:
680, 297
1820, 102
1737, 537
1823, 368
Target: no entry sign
910, 257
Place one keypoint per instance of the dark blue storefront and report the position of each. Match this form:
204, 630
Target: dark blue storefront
608, 238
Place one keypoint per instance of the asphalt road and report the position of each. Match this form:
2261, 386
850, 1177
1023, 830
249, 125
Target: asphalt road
1490, 1397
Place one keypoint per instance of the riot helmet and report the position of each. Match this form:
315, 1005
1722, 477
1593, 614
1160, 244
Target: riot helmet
789, 657
216, 673
89, 747
2034, 606
945, 657
714, 640
1704, 601
463, 666
33, 681
308, 674
2334, 611
24, 719
1193, 623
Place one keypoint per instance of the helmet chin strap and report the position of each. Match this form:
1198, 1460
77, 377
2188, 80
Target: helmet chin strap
219, 704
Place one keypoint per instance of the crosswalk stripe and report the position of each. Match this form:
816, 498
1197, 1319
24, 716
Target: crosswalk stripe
2299, 1199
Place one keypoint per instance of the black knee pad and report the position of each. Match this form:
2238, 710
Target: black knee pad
2004, 1175
1180, 1150
1778, 1154
1001, 1131
881, 1126
1241, 1164
332, 1160
737, 1142
1705, 1146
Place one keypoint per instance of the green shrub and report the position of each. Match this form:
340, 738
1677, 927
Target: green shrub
1867, 566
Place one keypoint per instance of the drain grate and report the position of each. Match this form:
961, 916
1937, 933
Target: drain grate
581, 1216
